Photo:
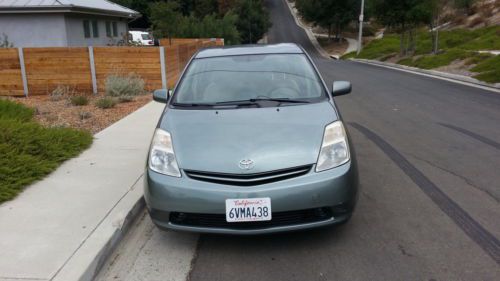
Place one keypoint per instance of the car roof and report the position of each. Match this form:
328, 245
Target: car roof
284, 48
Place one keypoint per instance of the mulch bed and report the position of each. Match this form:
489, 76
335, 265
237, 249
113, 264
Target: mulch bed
61, 113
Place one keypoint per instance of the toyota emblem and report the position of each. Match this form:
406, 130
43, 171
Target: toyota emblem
246, 164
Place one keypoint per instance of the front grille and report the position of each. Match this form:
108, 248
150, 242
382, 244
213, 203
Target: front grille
249, 179
278, 219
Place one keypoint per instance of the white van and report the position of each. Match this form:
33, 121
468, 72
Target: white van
141, 38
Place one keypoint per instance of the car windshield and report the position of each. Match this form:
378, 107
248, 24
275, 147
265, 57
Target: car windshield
249, 77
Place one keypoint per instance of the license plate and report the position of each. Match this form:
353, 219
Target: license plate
248, 209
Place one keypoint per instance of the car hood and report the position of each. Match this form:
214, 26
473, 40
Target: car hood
273, 138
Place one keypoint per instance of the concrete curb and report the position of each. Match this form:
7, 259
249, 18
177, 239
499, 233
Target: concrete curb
309, 33
438, 74
88, 260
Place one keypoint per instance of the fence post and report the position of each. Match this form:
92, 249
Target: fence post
23, 71
163, 68
92, 70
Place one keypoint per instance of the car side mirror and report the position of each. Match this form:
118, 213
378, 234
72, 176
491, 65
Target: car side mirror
341, 88
161, 95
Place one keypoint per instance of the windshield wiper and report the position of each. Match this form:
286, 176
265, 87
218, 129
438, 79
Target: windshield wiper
255, 100
280, 100
192, 104
248, 102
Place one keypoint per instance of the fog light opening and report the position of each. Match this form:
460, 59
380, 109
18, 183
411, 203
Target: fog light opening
322, 213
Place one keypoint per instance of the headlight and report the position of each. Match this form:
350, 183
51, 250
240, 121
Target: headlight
162, 156
334, 150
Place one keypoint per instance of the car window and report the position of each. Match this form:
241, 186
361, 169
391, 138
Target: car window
229, 78
146, 37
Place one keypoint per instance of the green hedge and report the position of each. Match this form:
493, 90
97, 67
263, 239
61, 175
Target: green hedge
30, 151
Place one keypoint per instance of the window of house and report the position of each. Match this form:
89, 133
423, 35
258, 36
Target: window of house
115, 29
86, 28
95, 29
108, 29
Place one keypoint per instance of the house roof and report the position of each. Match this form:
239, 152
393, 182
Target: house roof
102, 7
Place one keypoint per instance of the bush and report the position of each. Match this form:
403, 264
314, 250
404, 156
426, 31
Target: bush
106, 102
368, 30
84, 115
489, 70
60, 92
389, 45
406, 61
30, 151
477, 58
125, 99
79, 100
14, 111
442, 59
124, 86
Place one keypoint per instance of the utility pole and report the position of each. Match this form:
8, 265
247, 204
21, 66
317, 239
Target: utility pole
361, 18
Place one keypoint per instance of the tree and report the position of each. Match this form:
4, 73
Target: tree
436, 8
404, 16
225, 5
210, 26
203, 8
142, 6
233, 20
333, 15
253, 20
165, 17
465, 5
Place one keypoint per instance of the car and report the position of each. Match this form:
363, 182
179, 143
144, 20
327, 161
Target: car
141, 38
250, 142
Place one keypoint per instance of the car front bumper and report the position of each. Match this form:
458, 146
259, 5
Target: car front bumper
331, 193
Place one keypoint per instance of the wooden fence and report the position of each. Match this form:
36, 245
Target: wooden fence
38, 71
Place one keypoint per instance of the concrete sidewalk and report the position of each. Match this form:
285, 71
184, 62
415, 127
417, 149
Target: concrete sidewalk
62, 227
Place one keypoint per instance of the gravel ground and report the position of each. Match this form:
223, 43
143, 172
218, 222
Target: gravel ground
55, 113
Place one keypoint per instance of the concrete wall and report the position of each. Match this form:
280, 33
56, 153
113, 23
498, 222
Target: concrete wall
34, 30
75, 33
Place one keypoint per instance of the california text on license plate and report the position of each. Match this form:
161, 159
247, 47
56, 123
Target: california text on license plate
248, 209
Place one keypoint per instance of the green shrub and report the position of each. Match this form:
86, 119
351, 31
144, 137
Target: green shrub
348, 56
389, 45
406, 61
434, 61
463, 39
124, 86
79, 100
15, 111
477, 58
489, 70
30, 151
106, 102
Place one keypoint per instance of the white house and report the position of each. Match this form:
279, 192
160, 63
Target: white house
63, 23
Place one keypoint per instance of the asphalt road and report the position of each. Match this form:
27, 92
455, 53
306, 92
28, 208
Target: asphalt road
429, 208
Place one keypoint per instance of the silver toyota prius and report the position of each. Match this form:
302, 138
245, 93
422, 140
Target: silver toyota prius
250, 142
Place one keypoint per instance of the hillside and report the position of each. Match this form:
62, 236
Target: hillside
469, 44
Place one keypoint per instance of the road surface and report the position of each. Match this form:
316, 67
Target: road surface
429, 208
